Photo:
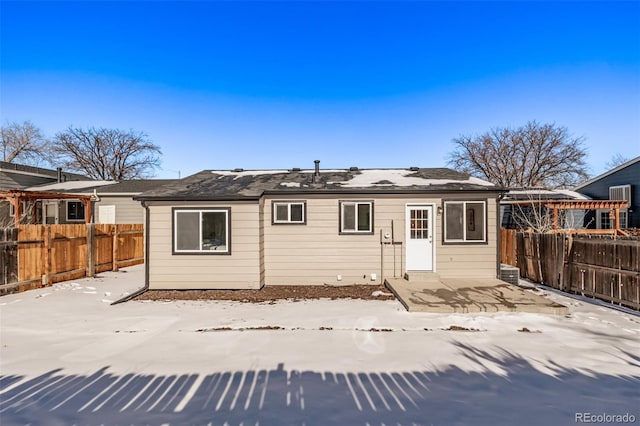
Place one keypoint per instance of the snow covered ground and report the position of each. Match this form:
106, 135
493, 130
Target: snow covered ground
68, 357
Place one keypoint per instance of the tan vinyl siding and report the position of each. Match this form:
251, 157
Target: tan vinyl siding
240, 269
470, 259
315, 253
128, 210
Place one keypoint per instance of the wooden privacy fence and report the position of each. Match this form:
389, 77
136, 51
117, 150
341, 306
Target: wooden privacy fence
8, 255
47, 254
604, 267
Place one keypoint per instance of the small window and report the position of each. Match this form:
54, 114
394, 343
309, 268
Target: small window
75, 210
201, 231
621, 192
289, 212
465, 221
356, 217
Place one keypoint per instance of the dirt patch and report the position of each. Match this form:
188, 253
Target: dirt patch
458, 328
271, 294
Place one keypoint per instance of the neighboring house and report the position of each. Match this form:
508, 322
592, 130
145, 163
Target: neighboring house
245, 229
620, 183
112, 201
524, 208
18, 176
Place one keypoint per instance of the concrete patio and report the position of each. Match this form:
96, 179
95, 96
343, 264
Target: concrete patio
427, 292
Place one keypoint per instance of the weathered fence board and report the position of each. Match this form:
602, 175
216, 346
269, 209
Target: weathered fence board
605, 267
54, 253
8, 255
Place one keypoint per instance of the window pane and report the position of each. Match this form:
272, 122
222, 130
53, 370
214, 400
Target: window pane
214, 231
475, 221
349, 217
282, 213
75, 210
187, 231
453, 227
296, 213
364, 217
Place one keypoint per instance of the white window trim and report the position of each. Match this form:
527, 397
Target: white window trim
176, 211
356, 230
289, 204
464, 222
66, 211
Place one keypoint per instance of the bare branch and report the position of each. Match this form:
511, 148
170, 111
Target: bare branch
533, 155
24, 143
106, 153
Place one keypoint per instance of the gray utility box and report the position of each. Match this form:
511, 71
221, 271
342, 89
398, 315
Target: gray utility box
509, 273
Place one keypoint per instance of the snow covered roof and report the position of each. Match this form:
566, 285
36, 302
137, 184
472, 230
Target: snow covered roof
242, 184
543, 194
71, 185
107, 187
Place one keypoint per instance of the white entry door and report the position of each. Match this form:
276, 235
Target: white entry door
419, 238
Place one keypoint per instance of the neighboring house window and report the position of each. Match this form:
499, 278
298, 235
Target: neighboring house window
621, 192
356, 217
75, 210
289, 212
624, 218
201, 231
464, 221
606, 221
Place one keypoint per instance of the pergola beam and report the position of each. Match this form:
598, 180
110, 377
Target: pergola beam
15, 197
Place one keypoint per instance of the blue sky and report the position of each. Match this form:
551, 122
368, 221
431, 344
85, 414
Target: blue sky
280, 84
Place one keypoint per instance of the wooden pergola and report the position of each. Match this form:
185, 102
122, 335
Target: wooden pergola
555, 206
16, 196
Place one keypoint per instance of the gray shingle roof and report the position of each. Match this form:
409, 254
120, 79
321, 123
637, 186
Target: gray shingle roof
251, 184
20, 176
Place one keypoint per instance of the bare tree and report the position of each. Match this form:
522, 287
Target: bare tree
533, 155
23, 142
616, 160
106, 153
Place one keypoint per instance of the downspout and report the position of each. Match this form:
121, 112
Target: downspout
147, 219
498, 235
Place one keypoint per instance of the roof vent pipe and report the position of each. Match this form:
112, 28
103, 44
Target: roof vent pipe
59, 174
316, 175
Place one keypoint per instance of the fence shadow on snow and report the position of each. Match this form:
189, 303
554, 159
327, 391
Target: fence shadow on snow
520, 394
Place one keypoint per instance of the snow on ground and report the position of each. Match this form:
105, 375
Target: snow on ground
68, 357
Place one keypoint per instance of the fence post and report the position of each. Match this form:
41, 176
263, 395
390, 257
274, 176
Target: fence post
46, 252
115, 248
91, 262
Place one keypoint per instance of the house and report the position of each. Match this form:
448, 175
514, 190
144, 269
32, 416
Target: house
522, 208
242, 229
620, 183
18, 177
112, 201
